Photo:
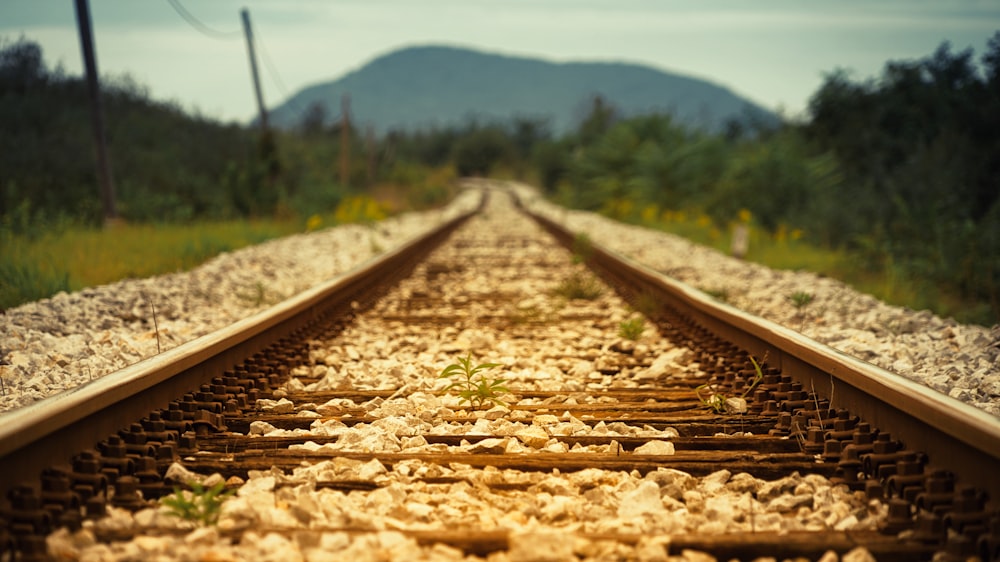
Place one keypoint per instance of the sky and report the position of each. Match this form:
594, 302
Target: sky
774, 52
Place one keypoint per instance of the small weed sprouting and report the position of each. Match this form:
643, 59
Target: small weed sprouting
715, 402
473, 386
255, 295
200, 504
530, 315
579, 286
582, 248
758, 373
720, 403
800, 298
632, 328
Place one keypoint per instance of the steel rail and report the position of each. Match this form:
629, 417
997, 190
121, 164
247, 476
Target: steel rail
955, 436
50, 432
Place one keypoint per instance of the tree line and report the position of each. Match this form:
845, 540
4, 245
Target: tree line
901, 170
167, 165
918, 151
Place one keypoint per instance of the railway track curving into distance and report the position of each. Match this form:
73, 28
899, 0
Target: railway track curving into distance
711, 431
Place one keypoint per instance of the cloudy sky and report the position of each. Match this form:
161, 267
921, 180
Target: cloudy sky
774, 52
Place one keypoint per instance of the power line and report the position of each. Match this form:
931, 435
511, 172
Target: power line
197, 24
276, 77
272, 69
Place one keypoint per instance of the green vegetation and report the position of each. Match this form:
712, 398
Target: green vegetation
168, 166
632, 328
27, 280
721, 403
257, 294
473, 386
800, 298
579, 286
69, 258
54, 256
187, 187
200, 505
890, 184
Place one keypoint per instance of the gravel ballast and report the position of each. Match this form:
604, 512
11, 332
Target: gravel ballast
560, 351
60, 343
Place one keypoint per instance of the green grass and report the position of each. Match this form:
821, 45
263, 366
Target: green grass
579, 286
800, 298
39, 259
72, 258
199, 505
632, 328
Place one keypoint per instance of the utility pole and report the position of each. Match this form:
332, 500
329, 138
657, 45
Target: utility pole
248, 31
345, 140
370, 150
104, 178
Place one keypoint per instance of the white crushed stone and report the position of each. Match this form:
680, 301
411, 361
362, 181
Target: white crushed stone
525, 504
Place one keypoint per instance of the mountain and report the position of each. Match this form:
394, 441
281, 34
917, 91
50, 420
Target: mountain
436, 86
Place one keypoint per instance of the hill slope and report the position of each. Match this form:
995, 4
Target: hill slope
421, 87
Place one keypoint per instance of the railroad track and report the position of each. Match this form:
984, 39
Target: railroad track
709, 431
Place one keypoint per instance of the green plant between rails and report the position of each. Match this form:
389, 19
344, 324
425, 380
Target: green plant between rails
257, 294
720, 403
800, 299
579, 286
200, 505
632, 328
473, 386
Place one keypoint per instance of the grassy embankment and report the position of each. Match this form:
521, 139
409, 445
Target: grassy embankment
788, 251
68, 257
75, 257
